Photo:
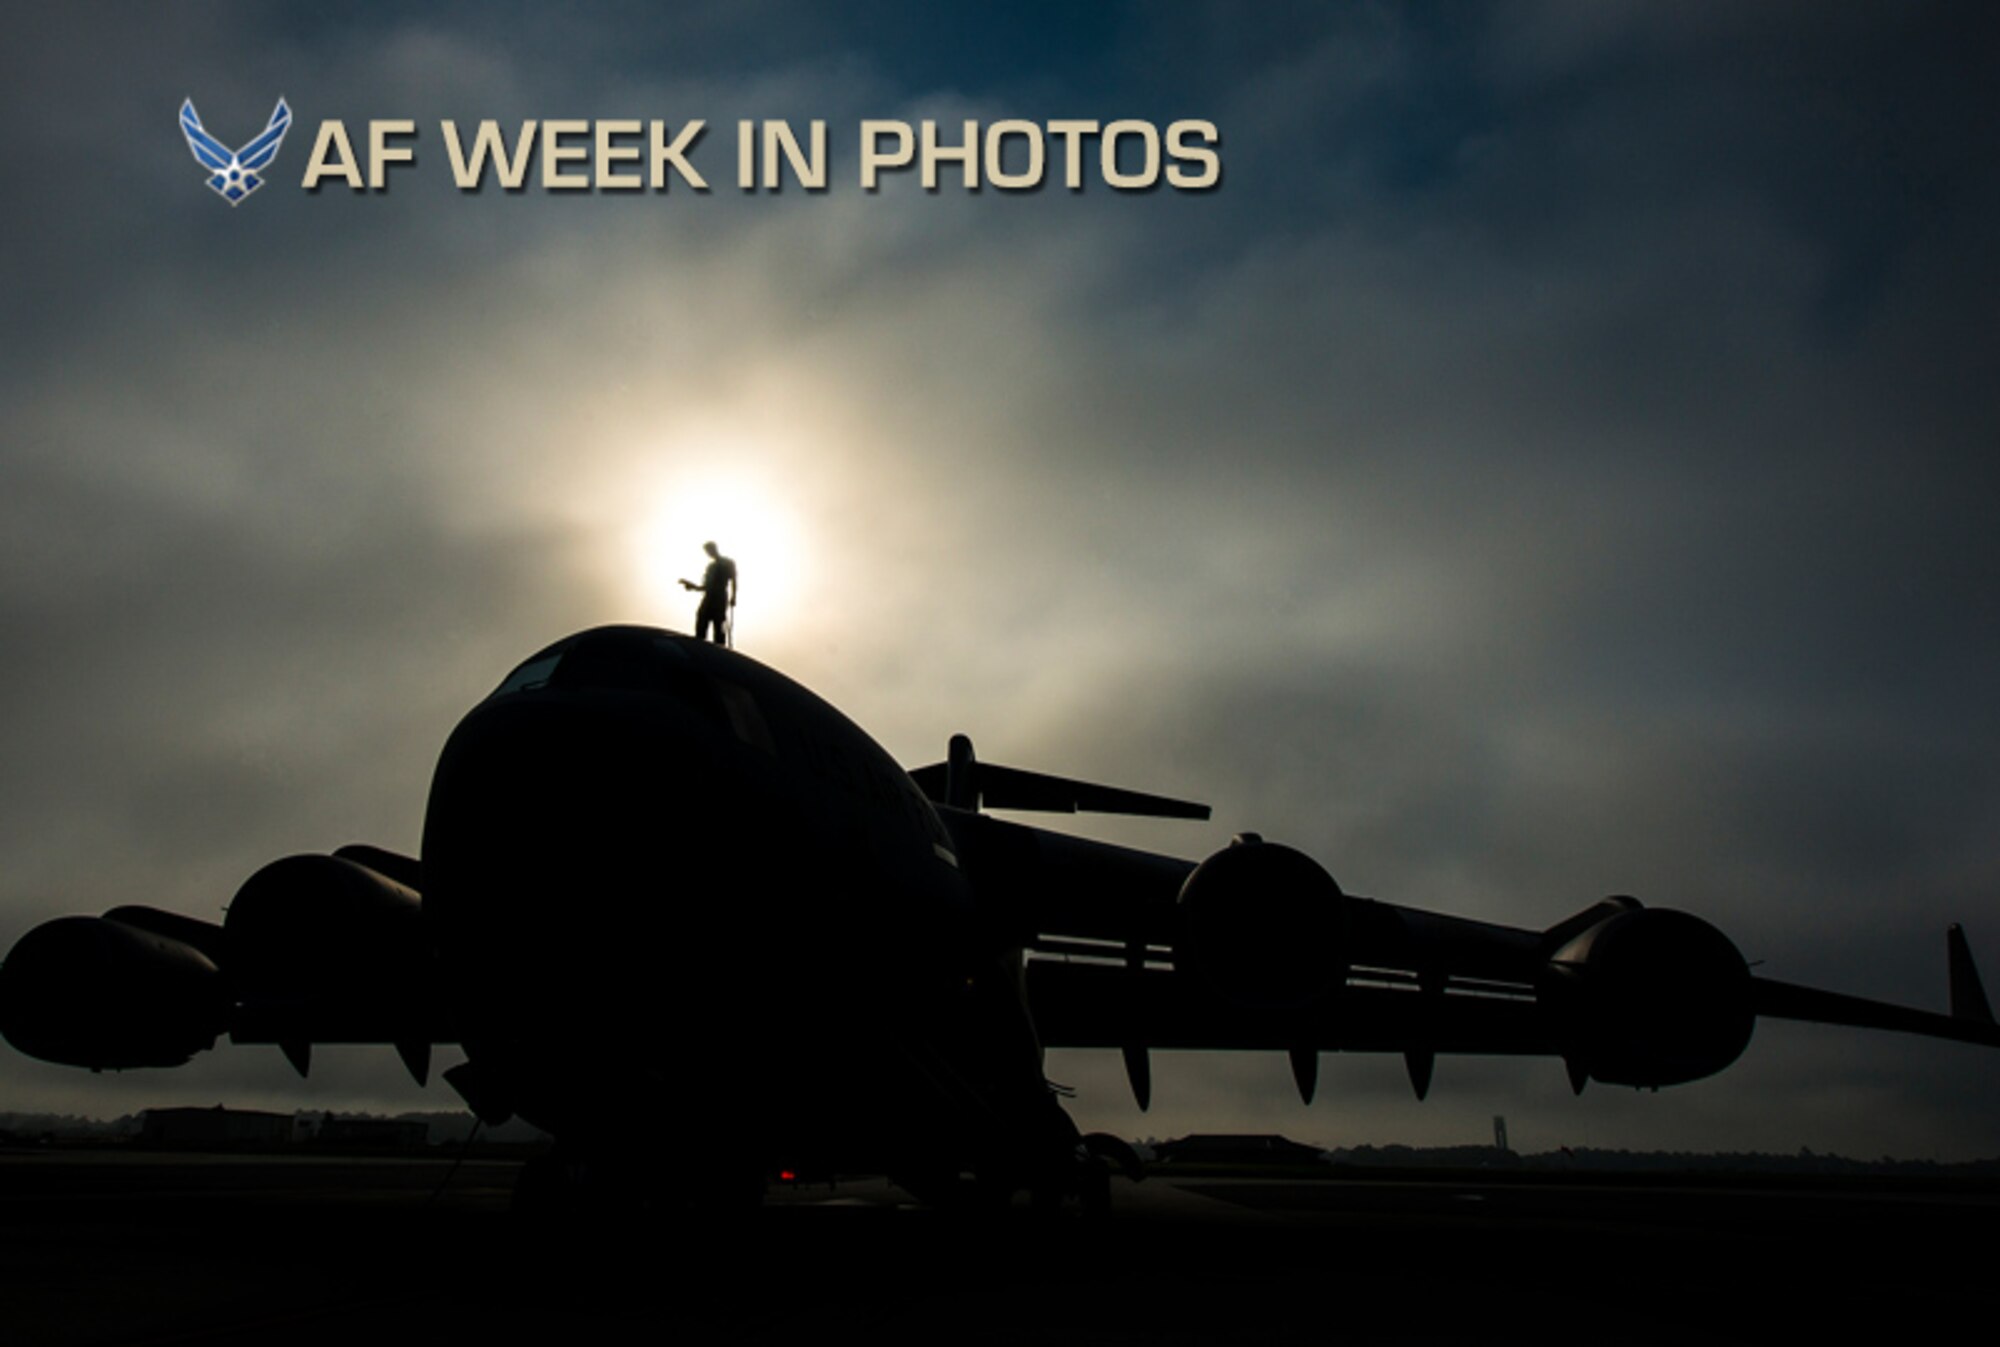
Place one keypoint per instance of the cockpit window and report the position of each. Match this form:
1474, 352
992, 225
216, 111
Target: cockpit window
622, 660
534, 674
658, 666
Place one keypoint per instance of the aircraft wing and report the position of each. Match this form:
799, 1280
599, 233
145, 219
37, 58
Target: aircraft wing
313, 949
1258, 948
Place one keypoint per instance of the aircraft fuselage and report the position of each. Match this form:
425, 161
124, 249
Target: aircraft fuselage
669, 887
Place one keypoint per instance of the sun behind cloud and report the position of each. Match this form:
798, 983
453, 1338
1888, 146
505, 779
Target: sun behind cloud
748, 521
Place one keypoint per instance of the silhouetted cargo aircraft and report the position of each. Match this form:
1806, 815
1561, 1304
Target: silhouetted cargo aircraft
666, 892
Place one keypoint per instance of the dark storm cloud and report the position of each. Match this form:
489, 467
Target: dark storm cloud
1556, 462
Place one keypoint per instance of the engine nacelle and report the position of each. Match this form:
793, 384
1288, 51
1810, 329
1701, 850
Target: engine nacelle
95, 992
1649, 997
321, 947
1265, 925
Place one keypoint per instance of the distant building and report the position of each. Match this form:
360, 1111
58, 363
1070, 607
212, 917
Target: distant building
1220, 1149
374, 1133
216, 1126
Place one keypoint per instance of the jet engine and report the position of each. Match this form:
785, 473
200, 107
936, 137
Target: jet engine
106, 992
319, 949
1649, 997
325, 948
1264, 925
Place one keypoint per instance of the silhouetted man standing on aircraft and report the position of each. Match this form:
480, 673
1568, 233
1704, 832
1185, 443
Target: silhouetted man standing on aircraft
717, 614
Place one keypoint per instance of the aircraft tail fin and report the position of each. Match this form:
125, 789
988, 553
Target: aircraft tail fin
961, 781
1968, 994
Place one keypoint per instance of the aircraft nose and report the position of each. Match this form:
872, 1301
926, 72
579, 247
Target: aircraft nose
543, 799
586, 852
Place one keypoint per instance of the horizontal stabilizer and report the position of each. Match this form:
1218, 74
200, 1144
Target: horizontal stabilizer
963, 782
1012, 788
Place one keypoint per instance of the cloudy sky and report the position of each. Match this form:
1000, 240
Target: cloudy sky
1557, 460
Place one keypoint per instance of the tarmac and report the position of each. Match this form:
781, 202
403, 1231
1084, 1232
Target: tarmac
126, 1247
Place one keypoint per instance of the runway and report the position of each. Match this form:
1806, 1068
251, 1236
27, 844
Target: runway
130, 1248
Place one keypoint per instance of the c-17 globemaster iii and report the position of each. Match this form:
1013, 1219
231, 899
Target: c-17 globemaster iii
664, 888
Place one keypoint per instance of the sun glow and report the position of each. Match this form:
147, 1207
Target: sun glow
747, 523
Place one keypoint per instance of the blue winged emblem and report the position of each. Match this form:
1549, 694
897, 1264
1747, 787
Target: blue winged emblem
234, 173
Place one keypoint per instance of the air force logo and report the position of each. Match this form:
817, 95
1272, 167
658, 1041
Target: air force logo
233, 173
